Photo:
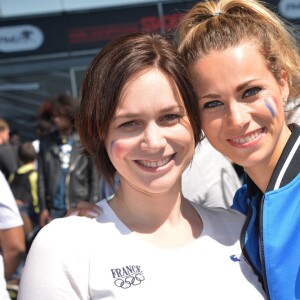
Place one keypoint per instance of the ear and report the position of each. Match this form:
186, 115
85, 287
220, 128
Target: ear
284, 86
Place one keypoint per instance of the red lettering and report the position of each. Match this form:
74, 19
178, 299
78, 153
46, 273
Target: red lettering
171, 21
150, 24
100, 33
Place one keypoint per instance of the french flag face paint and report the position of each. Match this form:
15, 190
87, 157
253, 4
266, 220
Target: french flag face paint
116, 148
268, 103
112, 146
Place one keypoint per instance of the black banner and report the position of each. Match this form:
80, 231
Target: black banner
80, 31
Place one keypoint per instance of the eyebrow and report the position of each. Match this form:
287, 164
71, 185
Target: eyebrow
238, 89
163, 111
244, 84
210, 96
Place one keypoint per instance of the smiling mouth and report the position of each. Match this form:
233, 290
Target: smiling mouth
247, 138
155, 164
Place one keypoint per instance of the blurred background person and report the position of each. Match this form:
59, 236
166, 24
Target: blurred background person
8, 153
65, 175
14, 138
23, 184
45, 124
292, 111
210, 179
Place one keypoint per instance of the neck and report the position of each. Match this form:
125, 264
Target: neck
145, 212
166, 220
260, 176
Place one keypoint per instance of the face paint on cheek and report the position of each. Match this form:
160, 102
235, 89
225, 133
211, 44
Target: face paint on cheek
269, 106
116, 148
112, 146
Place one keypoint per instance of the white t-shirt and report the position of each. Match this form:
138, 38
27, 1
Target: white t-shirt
9, 218
210, 179
81, 258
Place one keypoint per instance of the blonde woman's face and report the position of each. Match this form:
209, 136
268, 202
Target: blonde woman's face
241, 105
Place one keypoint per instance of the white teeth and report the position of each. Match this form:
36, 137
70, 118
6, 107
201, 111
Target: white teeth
248, 138
155, 164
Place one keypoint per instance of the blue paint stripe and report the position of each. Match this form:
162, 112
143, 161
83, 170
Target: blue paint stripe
270, 108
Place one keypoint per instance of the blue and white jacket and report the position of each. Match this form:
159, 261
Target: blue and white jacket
270, 238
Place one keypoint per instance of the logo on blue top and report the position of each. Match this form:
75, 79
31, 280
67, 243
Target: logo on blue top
234, 258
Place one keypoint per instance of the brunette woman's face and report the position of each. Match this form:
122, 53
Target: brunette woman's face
241, 104
150, 140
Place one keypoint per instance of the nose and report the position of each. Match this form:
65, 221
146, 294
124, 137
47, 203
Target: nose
237, 115
154, 138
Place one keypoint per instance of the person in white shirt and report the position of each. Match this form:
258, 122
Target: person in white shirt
139, 118
12, 238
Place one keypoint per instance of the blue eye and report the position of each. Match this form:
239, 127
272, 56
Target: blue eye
212, 104
251, 92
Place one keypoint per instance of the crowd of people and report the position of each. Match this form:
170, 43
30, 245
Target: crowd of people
153, 154
46, 176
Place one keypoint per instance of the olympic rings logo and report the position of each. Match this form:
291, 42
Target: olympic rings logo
128, 281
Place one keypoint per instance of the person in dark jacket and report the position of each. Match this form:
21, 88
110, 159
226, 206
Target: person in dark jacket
8, 153
65, 175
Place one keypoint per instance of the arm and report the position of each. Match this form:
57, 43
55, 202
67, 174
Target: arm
12, 243
12, 238
57, 265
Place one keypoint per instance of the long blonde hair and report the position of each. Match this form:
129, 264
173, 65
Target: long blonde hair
218, 25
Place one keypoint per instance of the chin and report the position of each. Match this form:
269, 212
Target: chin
159, 186
251, 162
